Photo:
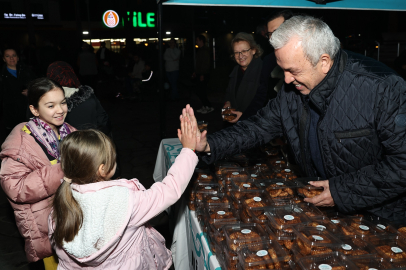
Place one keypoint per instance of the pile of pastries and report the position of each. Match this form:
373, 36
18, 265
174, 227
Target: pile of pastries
254, 216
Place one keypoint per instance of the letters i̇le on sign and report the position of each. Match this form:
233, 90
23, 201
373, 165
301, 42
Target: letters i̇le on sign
110, 18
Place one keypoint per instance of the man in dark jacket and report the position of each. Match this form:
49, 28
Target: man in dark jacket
268, 81
344, 116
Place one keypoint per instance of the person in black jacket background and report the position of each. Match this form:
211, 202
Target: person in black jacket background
269, 80
344, 116
84, 109
244, 79
14, 80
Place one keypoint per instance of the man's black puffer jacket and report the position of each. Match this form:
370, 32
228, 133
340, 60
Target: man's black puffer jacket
361, 133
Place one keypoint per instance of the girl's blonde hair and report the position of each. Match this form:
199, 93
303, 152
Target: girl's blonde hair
82, 153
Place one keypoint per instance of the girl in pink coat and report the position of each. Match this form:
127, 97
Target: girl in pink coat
98, 223
30, 170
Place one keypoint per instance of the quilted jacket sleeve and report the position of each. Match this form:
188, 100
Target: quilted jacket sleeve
161, 195
22, 185
256, 130
378, 184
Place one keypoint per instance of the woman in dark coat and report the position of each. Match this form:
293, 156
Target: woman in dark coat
14, 80
244, 79
84, 109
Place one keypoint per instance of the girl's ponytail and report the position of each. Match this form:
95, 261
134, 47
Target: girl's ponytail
82, 153
67, 215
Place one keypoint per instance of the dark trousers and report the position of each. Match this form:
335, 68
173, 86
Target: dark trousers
201, 89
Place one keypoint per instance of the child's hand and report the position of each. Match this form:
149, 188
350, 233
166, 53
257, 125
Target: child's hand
187, 133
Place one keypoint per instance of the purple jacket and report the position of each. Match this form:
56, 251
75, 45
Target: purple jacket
115, 233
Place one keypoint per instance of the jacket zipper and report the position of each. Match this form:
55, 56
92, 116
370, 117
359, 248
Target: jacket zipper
318, 141
305, 121
352, 134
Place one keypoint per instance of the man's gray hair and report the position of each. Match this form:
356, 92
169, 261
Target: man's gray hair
315, 35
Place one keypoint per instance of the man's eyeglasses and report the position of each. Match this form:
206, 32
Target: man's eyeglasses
243, 52
269, 34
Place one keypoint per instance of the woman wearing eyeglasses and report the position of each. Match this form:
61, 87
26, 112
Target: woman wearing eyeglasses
244, 79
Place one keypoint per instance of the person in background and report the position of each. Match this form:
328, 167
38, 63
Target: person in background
135, 77
47, 55
14, 81
87, 65
262, 40
84, 109
88, 202
271, 79
244, 79
202, 74
172, 56
30, 170
103, 55
344, 115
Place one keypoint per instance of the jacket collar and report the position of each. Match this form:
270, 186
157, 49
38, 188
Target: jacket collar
326, 87
6, 73
256, 62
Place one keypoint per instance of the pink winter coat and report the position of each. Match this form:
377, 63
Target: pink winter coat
29, 180
115, 233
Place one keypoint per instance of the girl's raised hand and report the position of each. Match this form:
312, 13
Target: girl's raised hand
187, 133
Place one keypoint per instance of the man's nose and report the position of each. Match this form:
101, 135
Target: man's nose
288, 78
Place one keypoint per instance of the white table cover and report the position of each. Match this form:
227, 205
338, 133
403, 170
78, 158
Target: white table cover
190, 247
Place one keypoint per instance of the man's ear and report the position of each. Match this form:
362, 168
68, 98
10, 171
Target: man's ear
34, 111
326, 63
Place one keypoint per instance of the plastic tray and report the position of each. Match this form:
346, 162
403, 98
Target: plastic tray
263, 255
367, 262
277, 163
202, 189
242, 196
220, 166
332, 261
237, 235
243, 185
261, 166
324, 223
279, 188
204, 176
221, 215
287, 174
355, 246
217, 200
314, 241
308, 190
283, 218
286, 240
360, 226
257, 215
391, 247
257, 202
336, 217
240, 174
309, 210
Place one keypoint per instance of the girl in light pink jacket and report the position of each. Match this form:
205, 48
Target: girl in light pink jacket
102, 224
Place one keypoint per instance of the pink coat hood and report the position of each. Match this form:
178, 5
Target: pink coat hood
115, 233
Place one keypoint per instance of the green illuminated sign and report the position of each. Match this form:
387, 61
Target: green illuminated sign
142, 21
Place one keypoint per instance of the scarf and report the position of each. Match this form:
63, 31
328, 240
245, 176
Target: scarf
45, 135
